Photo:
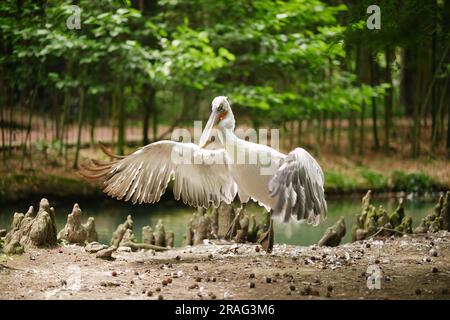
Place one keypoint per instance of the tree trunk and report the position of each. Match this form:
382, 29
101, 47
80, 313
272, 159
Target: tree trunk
291, 135
388, 100
361, 72
448, 133
434, 110
318, 131
422, 107
155, 122
351, 132
439, 120
121, 124
339, 130
81, 91
148, 109
361, 129
408, 79
63, 119
93, 116
333, 128
299, 132
30, 118
62, 124
11, 123
419, 102
374, 82
113, 116
445, 33
55, 116
2, 121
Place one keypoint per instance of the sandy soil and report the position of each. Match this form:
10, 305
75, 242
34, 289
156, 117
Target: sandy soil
411, 267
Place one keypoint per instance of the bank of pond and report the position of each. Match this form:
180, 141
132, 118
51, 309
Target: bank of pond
168, 225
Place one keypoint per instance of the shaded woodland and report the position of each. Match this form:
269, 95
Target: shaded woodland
135, 70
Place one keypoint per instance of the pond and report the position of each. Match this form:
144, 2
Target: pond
108, 213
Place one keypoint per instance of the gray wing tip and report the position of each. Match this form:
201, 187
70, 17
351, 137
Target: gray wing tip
299, 187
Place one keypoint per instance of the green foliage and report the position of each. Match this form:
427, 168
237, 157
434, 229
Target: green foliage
276, 60
413, 182
336, 181
339, 182
46, 146
188, 59
281, 54
374, 180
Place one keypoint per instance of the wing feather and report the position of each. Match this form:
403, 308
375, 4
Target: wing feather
201, 177
298, 184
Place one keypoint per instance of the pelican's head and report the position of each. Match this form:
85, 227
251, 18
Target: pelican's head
221, 115
220, 103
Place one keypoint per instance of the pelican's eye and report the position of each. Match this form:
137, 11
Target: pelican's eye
220, 108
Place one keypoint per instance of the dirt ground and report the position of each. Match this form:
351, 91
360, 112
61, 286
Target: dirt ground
410, 267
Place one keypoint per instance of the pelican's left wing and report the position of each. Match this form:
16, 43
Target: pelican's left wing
201, 177
298, 184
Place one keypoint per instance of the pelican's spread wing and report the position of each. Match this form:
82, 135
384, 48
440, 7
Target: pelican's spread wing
201, 177
298, 183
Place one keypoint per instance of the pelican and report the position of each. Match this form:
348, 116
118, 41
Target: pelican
203, 176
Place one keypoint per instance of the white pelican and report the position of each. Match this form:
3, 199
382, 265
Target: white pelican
293, 190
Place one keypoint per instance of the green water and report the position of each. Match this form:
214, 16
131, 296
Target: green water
108, 213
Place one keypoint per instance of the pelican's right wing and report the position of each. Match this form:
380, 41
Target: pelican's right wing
201, 177
298, 184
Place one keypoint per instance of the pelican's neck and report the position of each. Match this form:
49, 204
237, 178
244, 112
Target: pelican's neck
226, 127
228, 133
229, 140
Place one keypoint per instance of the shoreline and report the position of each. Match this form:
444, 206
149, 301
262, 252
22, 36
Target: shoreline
37, 186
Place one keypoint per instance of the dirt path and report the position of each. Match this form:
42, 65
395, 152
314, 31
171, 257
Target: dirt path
408, 267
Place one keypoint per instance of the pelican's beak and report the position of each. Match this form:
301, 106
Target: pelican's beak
208, 128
